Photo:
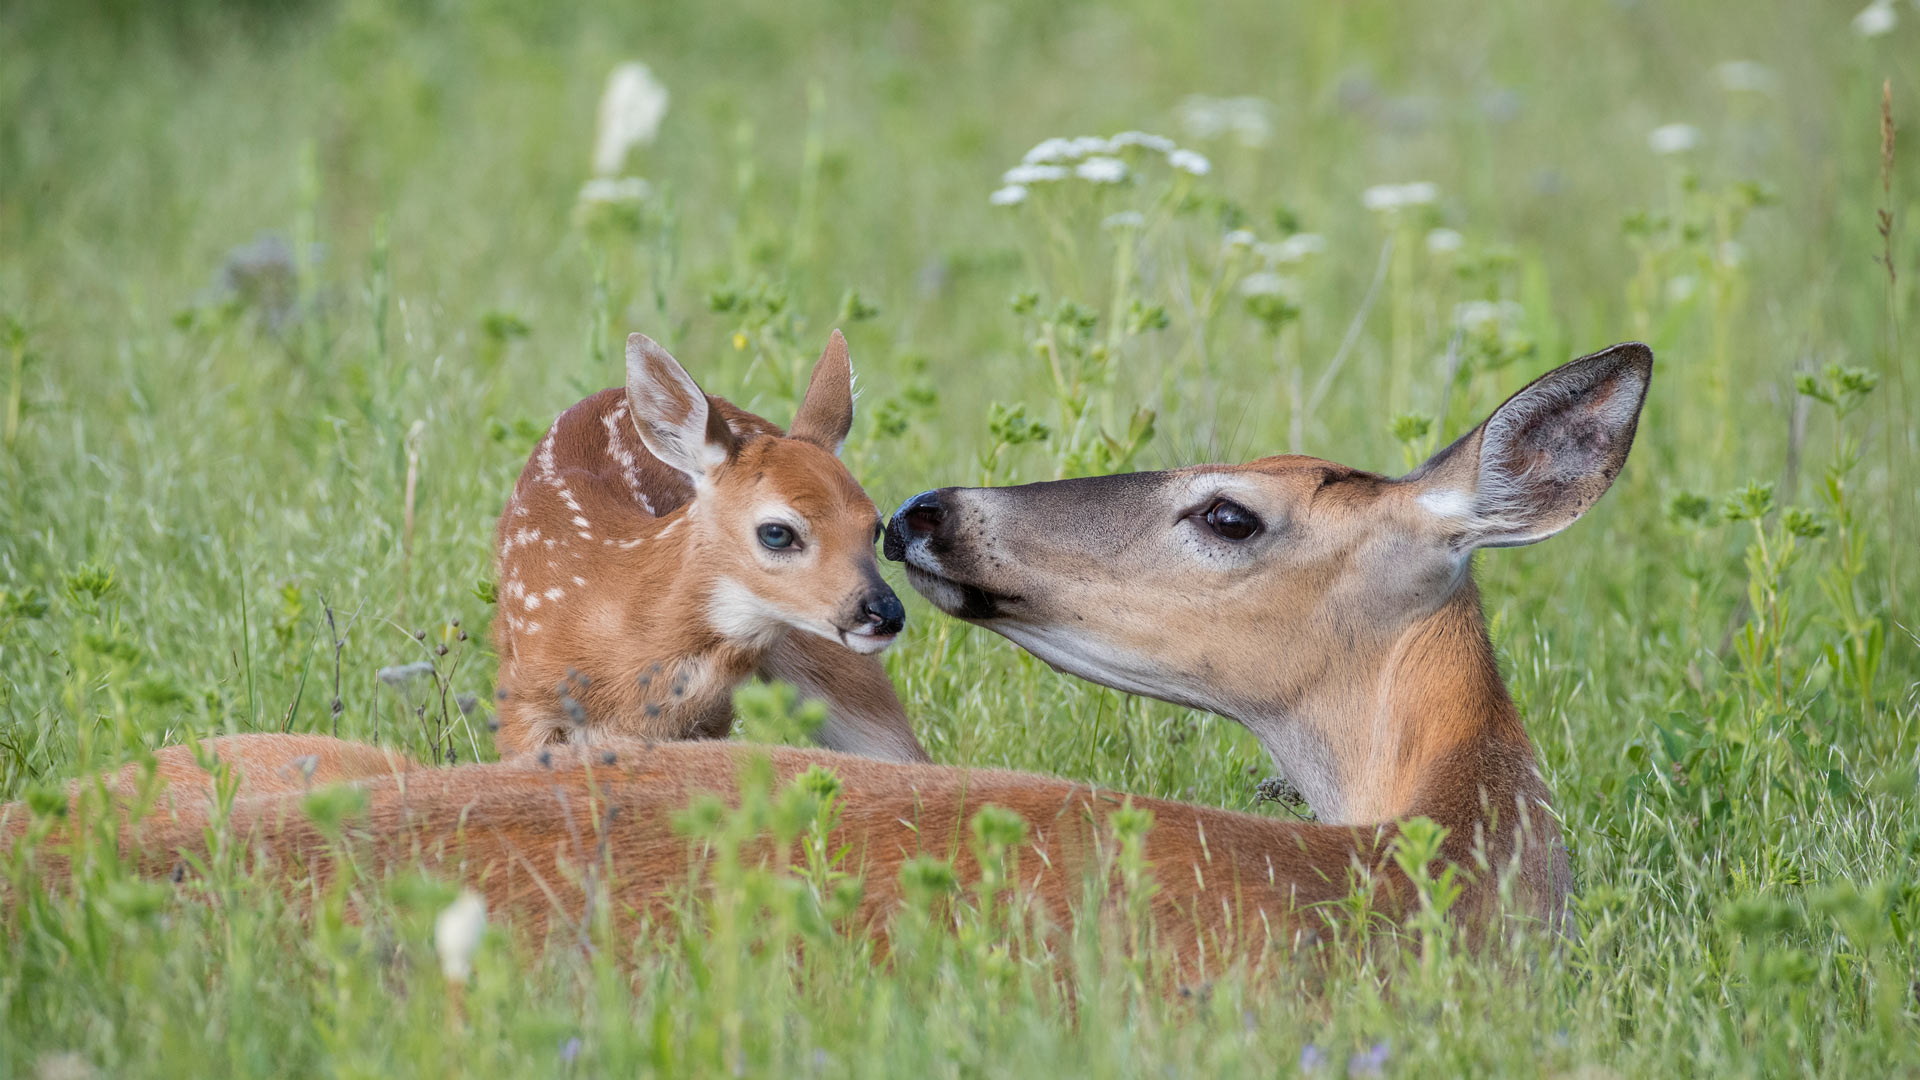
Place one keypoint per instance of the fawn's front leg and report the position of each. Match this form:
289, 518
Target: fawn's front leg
863, 712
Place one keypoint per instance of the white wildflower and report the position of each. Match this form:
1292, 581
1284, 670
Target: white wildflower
1745, 76
1673, 138
626, 189
1238, 238
1296, 248
1190, 162
1125, 219
1486, 314
1247, 119
1875, 19
1144, 140
630, 112
1389, 198
456, 934
1444, 241
1089, 144
1732, 253
1011, 195
1034, 174
1681, 289
1049, 150
1102, 170
1268, 283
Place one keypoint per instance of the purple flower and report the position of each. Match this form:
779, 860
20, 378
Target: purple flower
1371, 1061
570, 1050
1311, 1058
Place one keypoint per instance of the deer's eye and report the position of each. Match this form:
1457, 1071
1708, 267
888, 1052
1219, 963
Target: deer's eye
775, 536
1231, 521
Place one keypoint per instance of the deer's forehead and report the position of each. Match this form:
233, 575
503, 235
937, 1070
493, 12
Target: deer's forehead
800, 475
1280, 474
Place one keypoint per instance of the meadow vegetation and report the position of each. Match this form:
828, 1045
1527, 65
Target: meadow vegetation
289, 290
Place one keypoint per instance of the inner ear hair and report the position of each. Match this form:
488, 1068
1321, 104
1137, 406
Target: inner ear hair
1545, 455
720, 436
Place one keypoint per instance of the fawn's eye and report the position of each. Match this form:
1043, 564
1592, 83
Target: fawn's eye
1231, 521
775, 536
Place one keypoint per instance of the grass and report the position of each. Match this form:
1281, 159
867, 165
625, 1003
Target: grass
206, 455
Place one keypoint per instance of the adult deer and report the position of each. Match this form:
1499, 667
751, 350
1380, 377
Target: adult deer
1332, 611
662, 546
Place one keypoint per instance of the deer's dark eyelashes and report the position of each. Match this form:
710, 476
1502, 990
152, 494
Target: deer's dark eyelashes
1229, 520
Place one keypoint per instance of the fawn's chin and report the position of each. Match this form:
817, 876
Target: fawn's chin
865, 643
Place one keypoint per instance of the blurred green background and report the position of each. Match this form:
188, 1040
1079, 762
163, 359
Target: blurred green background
261, 263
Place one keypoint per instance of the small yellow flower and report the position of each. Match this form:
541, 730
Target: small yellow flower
739, 341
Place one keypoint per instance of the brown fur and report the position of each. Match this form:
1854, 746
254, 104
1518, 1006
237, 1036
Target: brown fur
1352, 640
609, 559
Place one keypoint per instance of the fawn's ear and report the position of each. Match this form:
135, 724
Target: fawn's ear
671, 413
1545, 456
826, 413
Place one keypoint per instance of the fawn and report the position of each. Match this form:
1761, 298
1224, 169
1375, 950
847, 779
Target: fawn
662, 546
1331, 611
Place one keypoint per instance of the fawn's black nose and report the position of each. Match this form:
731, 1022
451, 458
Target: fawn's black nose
920, 516
883, 612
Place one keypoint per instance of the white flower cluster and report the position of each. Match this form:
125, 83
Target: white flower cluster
1270, 279
631, 109
1444, 241
1745, 76
1673, 138
1248, 119
1393, 198
1091, 158
1270, 283
1471, 315
1876, 19
606, 189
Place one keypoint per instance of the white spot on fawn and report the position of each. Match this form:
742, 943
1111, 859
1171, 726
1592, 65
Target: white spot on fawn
532, 601
582, 522
735, 612
556, 593
578, 580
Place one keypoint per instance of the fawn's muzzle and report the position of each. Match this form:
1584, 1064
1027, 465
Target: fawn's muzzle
883, 613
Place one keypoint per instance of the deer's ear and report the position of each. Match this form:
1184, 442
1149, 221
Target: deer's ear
826, 413
671, 413
1545, 456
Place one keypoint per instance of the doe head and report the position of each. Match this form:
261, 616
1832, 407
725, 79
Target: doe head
1244, 588
782, 530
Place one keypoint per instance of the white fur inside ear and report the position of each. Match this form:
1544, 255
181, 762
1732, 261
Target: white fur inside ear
1452, 505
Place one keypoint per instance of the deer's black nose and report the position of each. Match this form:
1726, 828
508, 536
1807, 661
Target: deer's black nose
883, 612
918, 517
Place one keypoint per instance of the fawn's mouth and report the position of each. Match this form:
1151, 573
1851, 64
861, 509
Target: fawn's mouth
866, 639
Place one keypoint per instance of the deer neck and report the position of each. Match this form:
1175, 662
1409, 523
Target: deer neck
1426, 729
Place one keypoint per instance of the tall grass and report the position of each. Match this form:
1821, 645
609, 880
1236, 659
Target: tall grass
289, 290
